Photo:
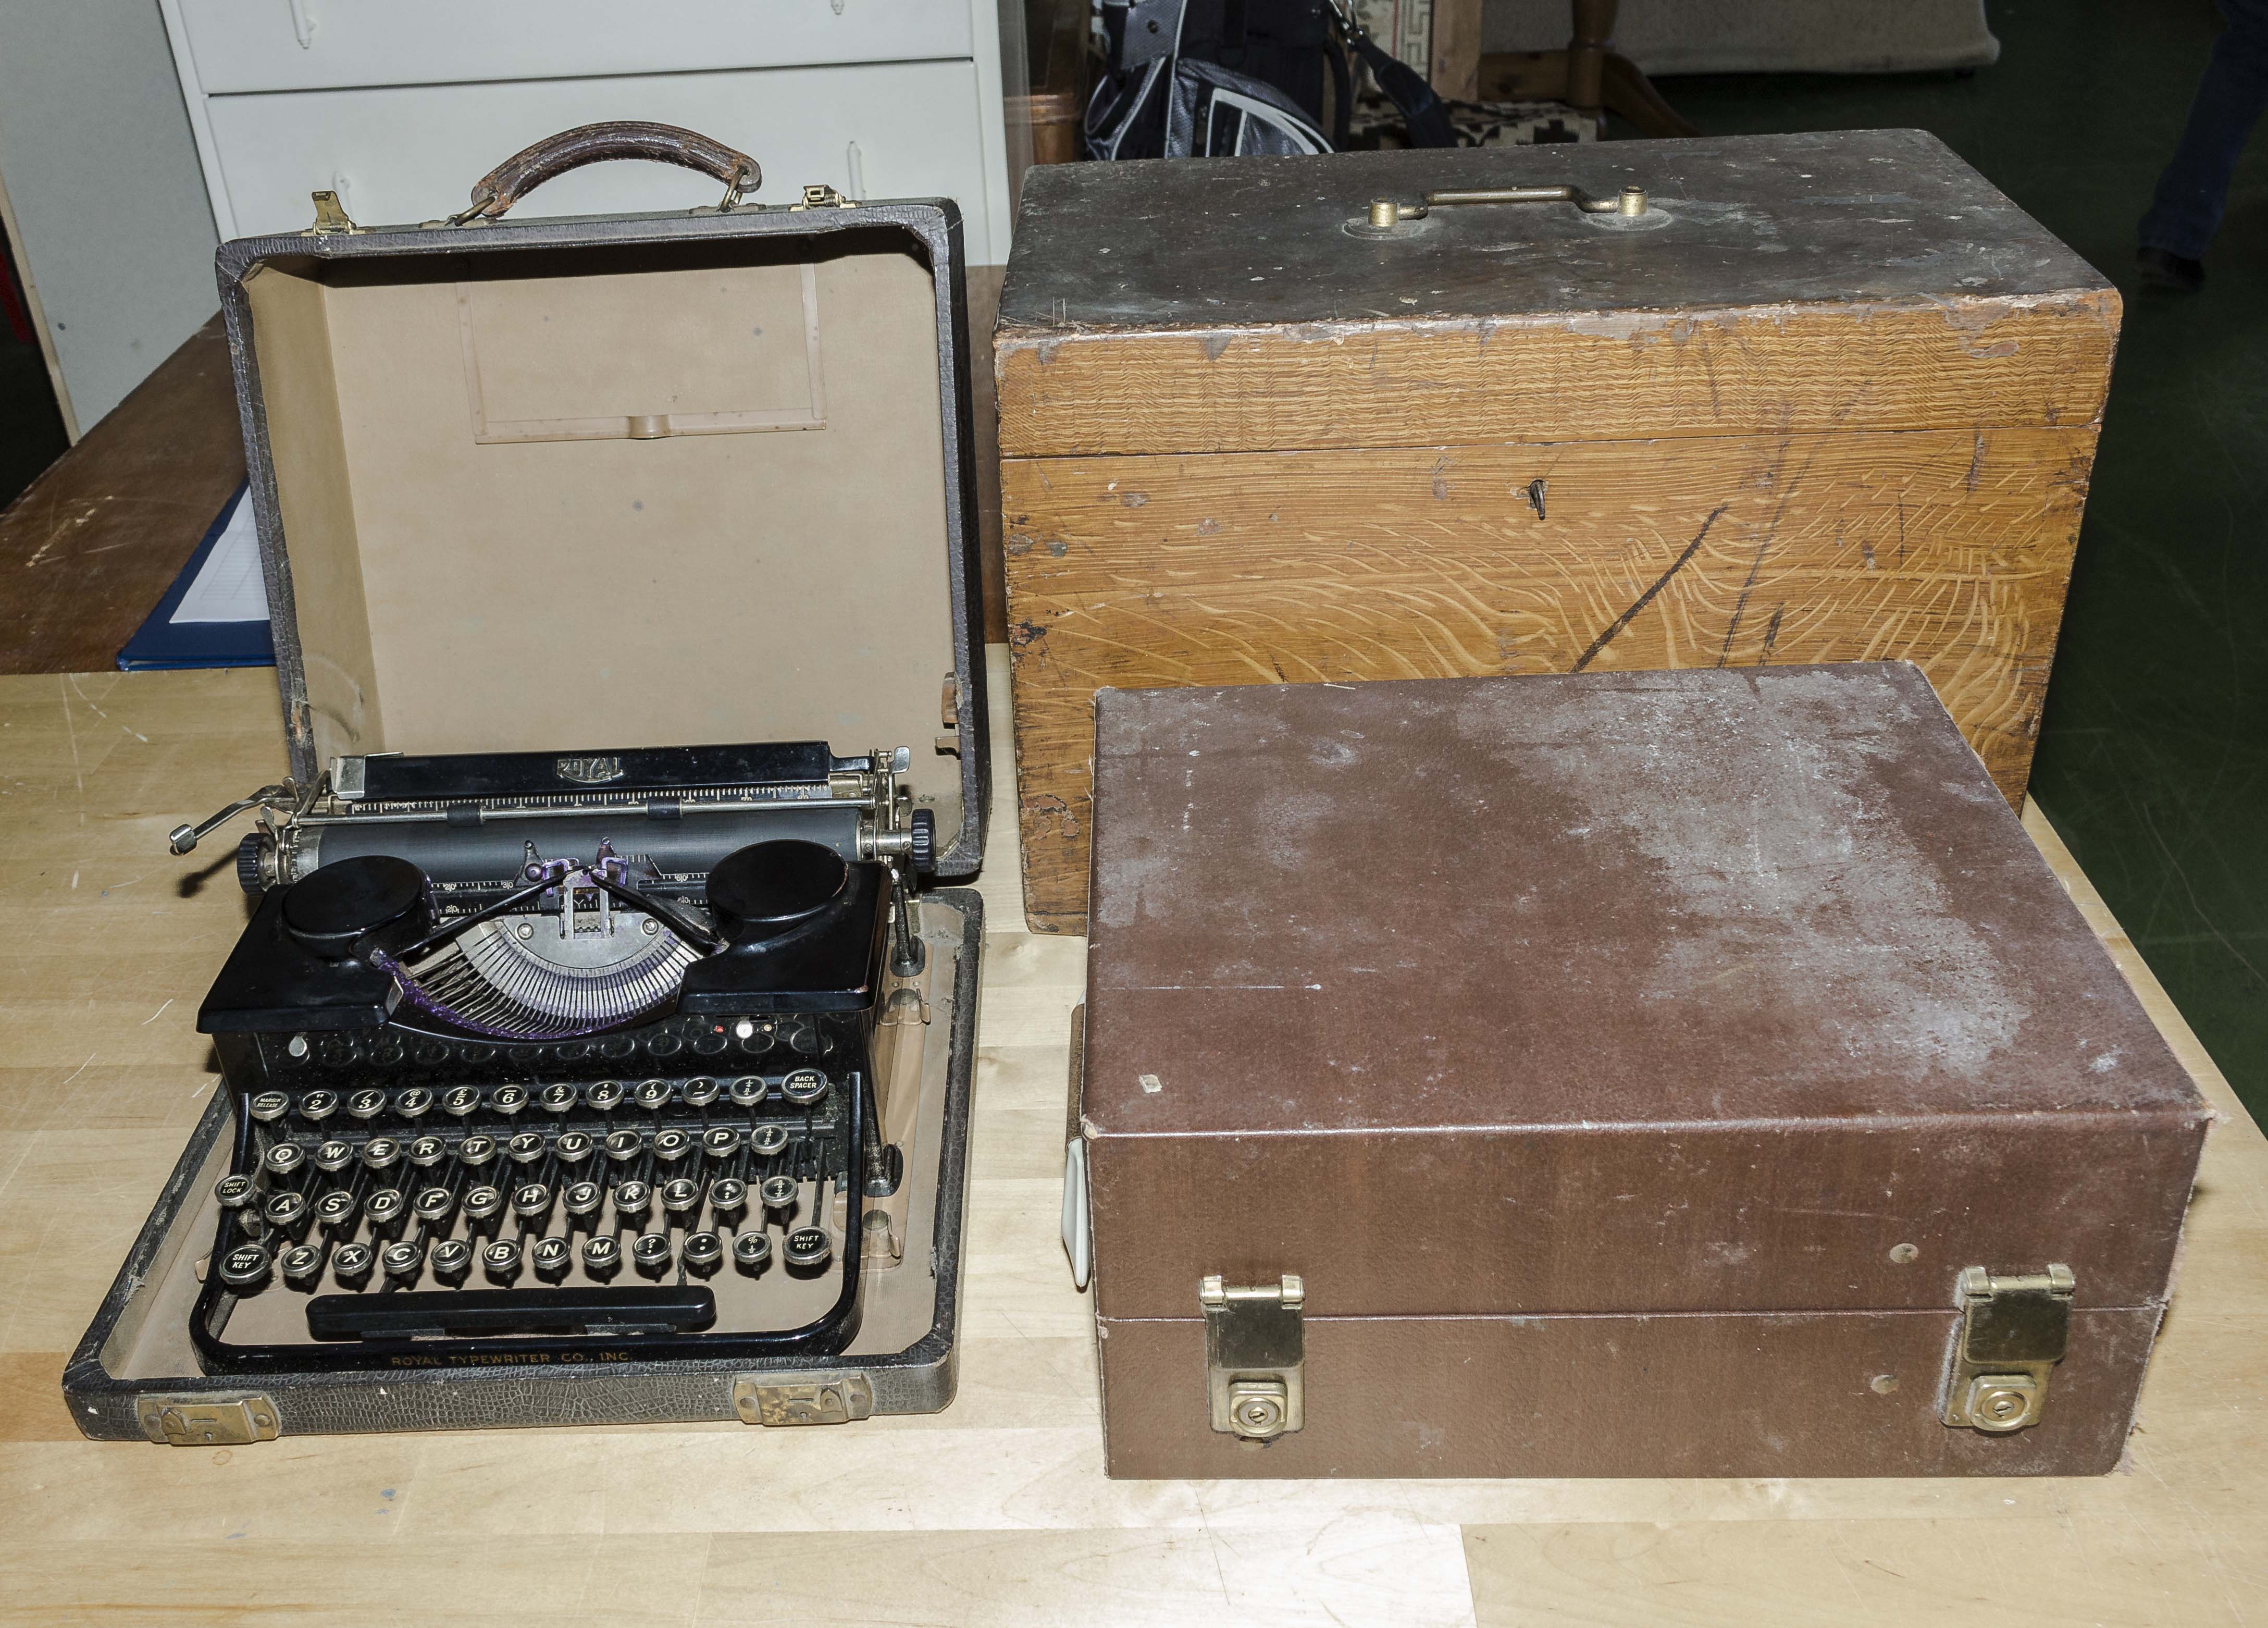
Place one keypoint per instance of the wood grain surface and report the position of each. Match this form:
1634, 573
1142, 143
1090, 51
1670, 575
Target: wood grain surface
995, 1512
1949, 548
1377, 379
88, 548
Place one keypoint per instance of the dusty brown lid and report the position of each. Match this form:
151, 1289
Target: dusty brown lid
1646, 909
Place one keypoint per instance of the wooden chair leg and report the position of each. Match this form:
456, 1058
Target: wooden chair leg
1630, 94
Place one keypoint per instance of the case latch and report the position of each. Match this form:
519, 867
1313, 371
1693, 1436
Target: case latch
1256, 1353
803, 1399
208, 1421
823, 197
331, 219
2013, 1331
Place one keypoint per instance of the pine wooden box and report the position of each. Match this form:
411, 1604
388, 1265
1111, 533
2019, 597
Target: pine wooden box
1834, 398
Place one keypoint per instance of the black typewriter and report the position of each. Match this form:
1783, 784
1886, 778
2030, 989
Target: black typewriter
540, 1058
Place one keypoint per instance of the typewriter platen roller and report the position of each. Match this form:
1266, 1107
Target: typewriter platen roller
541, 1057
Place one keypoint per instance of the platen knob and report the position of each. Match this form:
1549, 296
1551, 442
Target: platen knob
251, 867
924, 845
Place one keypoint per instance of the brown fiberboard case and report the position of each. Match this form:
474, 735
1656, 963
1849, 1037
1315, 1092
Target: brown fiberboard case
1627, 1065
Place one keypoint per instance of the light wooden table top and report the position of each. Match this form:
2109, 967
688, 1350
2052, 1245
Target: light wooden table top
994, 1511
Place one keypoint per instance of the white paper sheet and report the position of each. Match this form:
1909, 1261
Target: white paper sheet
228, 585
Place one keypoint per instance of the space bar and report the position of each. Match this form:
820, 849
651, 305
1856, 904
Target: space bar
464, 1313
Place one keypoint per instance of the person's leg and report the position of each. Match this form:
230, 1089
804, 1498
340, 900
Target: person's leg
2230, 98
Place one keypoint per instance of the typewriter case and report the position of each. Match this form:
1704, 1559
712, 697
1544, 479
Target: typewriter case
557, 485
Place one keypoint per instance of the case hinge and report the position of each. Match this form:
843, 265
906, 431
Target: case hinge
803, 1399
2013, 1331
208, 1421
1256, 1353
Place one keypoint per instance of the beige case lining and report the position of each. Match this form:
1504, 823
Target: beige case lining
522, 510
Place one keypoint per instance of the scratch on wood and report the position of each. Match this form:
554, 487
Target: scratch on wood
1740, 605
1646, 598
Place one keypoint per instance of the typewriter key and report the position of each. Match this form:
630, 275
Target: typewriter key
721, 1141
650, 1253
415, 1103
245, 1268
283, 1161
453, 1259
268, 1107
501, 1261
402, 1261
700, 1093
317, 1106
573, 1147
381, 1154
557, 1099
334, 1156
433, 1206
476, 1150
531, 1202
671, 1145
765, 1140
350, 1263
804, 1086
302, 1265
508, 1100
653, 1094
552, 1257
808, 1247
427, 1151
583, 1200
235, 1192
623, 1145
385, 1210
751, 1251
727, 1198
335, 1209
747, 1091
701, 1252
287, 1213
603, 1095
524, 1148
680, 1198
778, 1193
459, 1100
482, 1204
632, 1200
602, 1256
365, 1104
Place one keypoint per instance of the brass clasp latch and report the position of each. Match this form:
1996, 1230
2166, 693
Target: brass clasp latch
1256, 1356
803, 1399
331, 218
2013, 1331
823, 197
208, 1421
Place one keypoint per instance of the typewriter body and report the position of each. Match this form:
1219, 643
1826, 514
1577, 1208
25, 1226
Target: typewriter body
526, 1071
597, 1045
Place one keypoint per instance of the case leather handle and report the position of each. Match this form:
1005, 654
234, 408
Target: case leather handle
522, 173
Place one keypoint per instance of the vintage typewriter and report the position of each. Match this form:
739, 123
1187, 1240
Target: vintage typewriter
538, 1058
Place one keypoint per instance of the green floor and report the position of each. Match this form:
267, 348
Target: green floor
2153, 759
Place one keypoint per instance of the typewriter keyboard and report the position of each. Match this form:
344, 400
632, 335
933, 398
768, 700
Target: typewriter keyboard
462, 1216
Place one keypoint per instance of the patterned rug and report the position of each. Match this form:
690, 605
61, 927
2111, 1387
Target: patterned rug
1376, 125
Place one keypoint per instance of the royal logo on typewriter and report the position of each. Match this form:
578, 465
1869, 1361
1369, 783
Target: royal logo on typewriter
590, 771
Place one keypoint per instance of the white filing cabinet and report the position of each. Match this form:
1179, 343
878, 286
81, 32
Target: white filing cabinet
399, 105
